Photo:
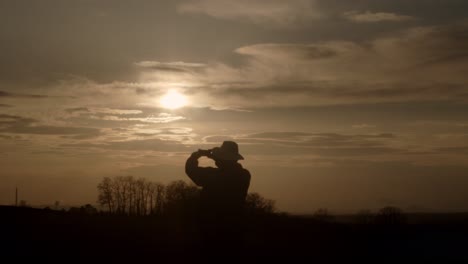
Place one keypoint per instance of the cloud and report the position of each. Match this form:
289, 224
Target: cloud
167, 75
20, 125
161, 118
103, 113
280, 136
460, 150
94, 92
113, 111
5, 137
153, 144
17, 95
420, 63
276, 13
302, 147
53, 130
373, 17
363, 126
77, 109
291, 147
7, 120
217, 139
165, 131
178, 66
91, 96
290, 51
175, 130
331, 145
321, 139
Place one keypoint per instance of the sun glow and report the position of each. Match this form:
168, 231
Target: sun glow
173, 100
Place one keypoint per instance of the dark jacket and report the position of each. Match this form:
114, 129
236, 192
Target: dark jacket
224, 189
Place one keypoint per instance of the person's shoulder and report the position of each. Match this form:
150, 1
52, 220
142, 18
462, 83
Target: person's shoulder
246, 172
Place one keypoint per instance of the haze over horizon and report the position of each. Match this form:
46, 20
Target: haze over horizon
344, 105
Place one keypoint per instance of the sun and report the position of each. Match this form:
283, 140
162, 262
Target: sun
173, 100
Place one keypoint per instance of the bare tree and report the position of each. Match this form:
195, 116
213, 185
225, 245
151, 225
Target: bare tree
127, 182
106, 196
131, 195
122, 191
140, 199
160, 197
257, 204
127, 195
149, 194
390, 215
364, 217
323, 215
181, 197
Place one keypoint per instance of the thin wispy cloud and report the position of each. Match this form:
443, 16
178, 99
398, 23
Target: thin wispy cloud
20, 125
161, 118
374, 17
178, 66
114, 111
363, 126
275, 13
20, 95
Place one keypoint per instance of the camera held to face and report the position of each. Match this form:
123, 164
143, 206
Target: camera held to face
205, 152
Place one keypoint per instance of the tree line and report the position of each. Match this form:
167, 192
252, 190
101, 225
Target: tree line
127, 195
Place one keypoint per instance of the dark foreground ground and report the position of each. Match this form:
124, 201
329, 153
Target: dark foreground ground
59, 236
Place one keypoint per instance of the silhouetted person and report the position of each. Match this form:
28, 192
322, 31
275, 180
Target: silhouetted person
225, 187
223, 194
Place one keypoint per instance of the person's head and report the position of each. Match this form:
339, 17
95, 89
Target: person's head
227, 154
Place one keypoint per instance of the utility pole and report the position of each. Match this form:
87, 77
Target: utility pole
16, 197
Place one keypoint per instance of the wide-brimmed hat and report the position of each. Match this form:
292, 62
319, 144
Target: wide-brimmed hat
228, 151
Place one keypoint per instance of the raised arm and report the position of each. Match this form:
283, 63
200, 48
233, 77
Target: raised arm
199, 175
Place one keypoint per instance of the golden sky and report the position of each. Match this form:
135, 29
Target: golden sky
340, 104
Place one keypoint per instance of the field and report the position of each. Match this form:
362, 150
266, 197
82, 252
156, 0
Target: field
57, 235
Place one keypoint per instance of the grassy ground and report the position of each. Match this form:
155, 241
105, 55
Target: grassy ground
55, 235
